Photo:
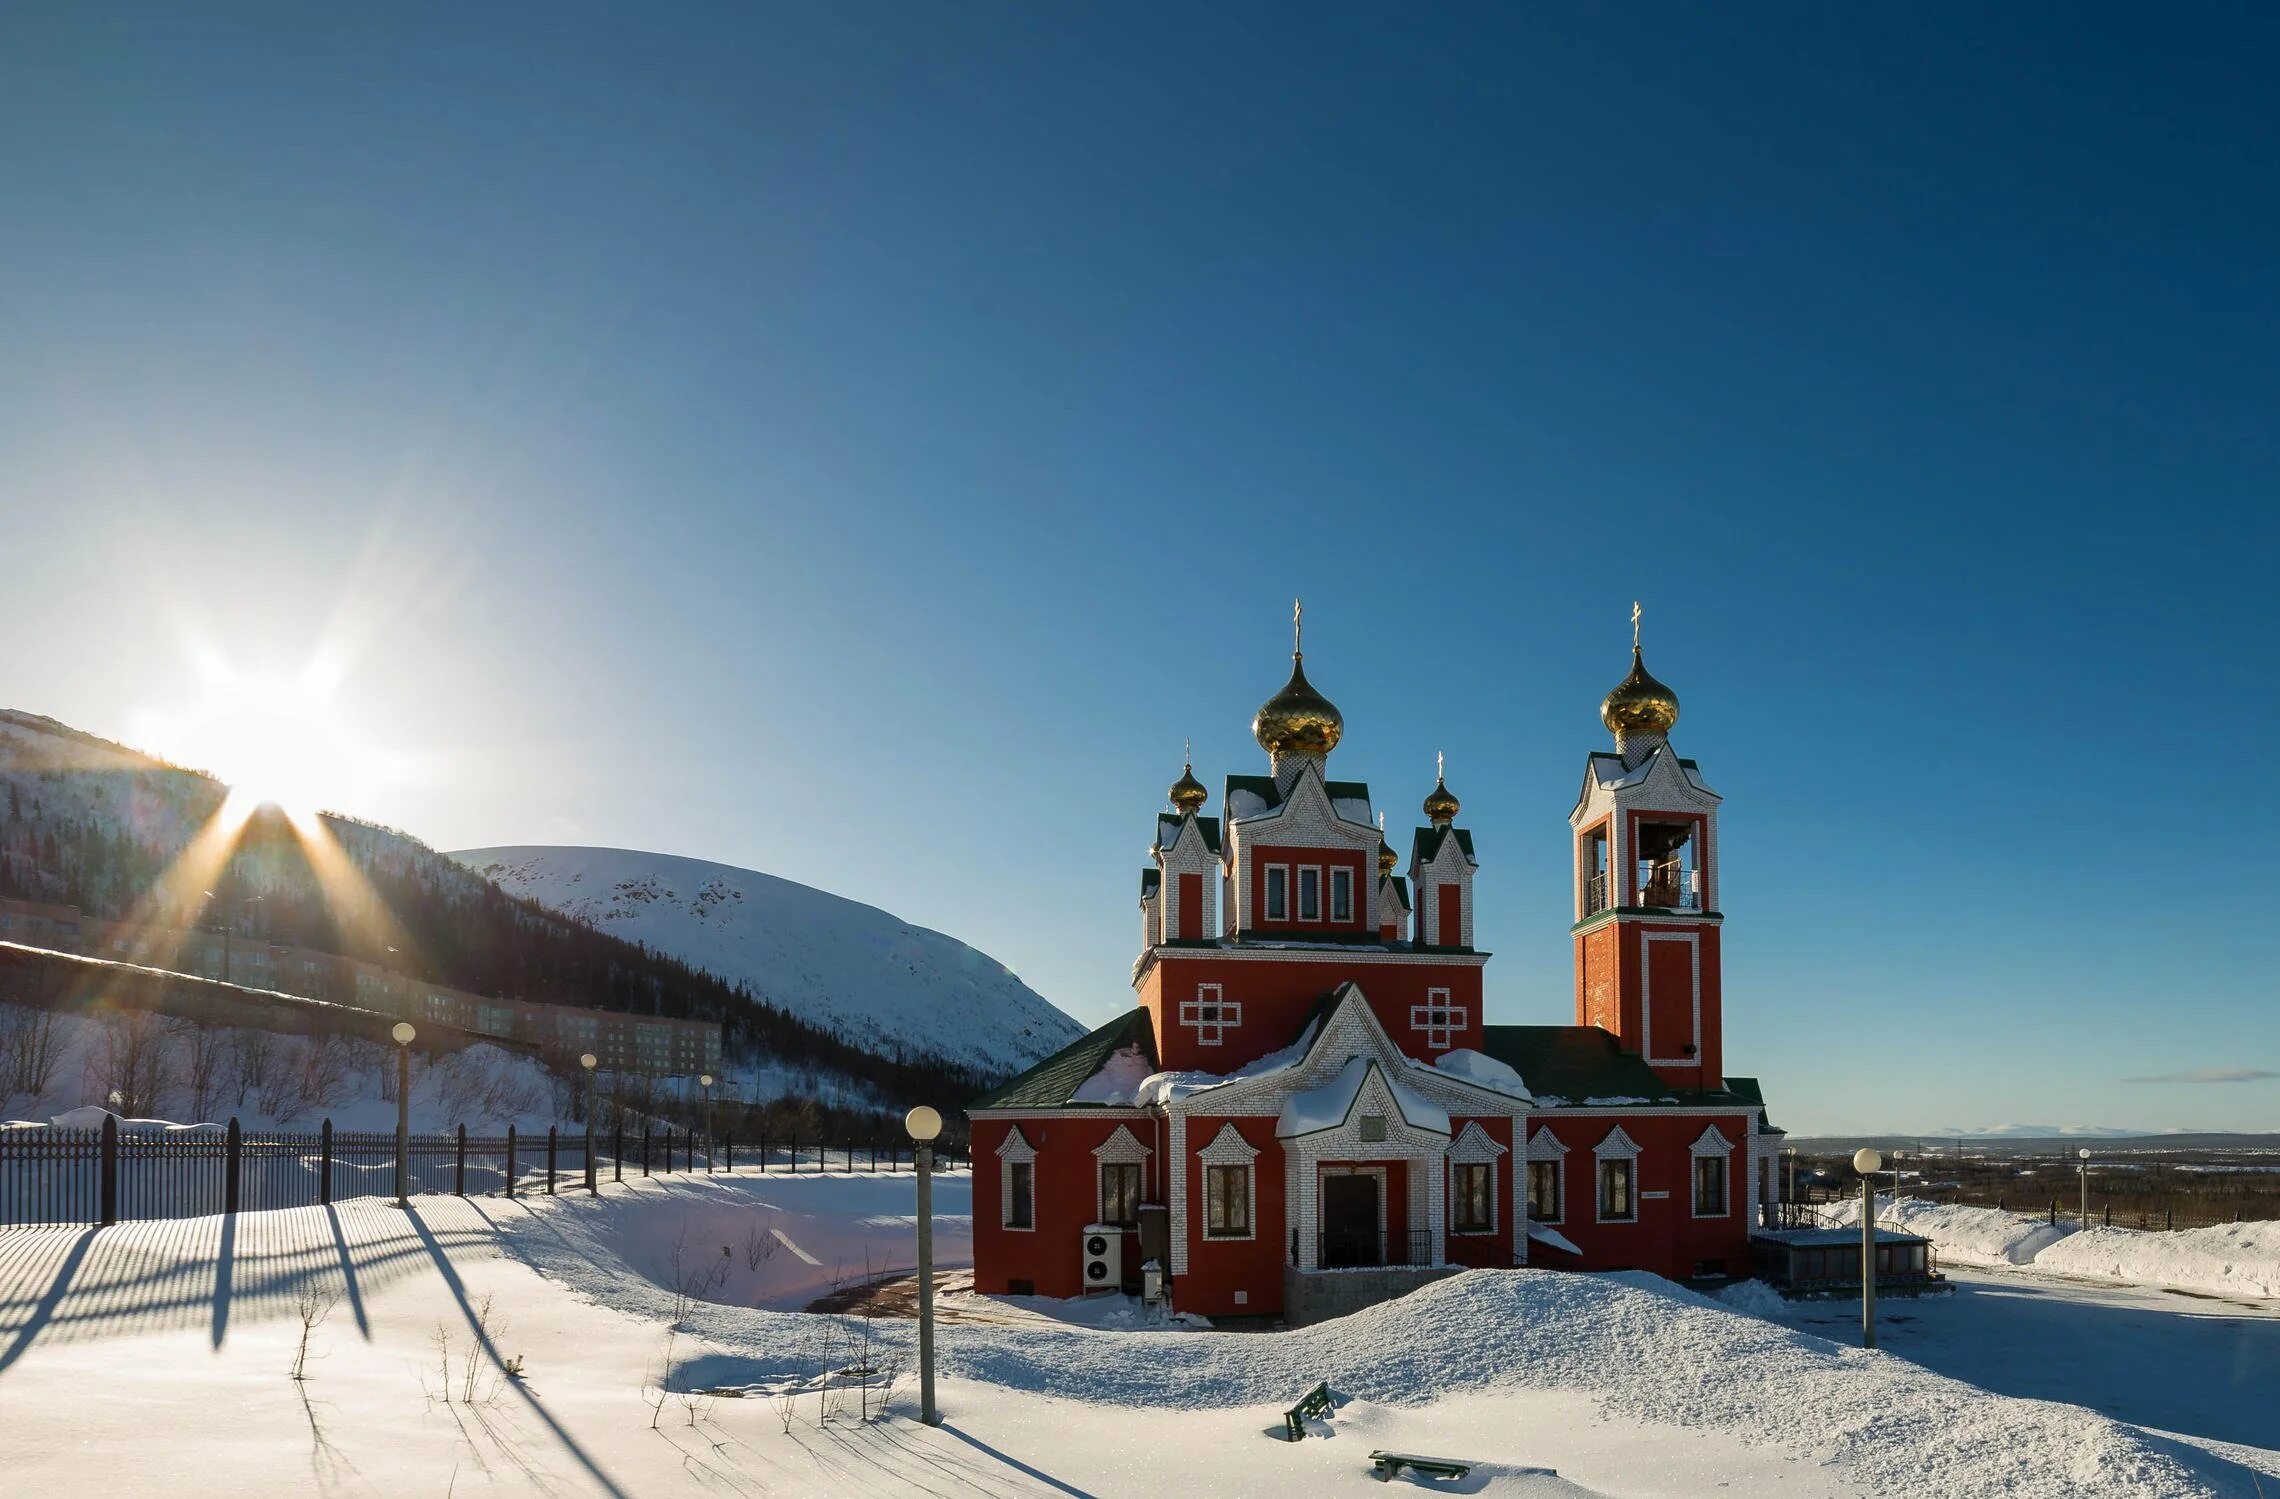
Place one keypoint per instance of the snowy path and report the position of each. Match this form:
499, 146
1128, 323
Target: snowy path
2197, 1365
152, 1358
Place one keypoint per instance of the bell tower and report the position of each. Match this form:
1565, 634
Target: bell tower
1646, 889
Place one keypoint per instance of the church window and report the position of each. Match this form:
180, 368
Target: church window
1616, 1201
1120, 1193
1372, 1128
1227, 1195
1278, 892
1310, 893
1709, 1186
1475, 1206
1341, 895
1021, 1197
1544, 1191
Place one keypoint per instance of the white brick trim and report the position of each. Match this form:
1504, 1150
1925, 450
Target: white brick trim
1229, 1148
1473, 1147
1711, 1145
1015, 1149
1693, 941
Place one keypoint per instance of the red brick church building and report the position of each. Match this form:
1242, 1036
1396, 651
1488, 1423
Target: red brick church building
1306, 1111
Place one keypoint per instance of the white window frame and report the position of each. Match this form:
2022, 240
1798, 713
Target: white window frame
1438, 1019
1210, 1015
1268, 881
1473, 1147
1712, 1144
1013, 1150
1341, 895
1618, 1146
1315, 916
1228, 1148
1123, 1148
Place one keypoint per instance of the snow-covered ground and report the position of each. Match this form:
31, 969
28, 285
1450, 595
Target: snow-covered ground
154, 1358
2233, 1259
834, 962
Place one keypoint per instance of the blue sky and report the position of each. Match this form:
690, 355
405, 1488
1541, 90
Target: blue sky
861, 442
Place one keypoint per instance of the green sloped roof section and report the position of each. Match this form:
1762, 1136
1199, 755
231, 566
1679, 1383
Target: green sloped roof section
1747, 1090
1574, 1062
1049, 1084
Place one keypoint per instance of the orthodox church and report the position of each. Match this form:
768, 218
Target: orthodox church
1306, 1110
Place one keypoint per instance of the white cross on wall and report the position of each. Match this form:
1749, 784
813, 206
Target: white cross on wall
1438, 1019
1209, 1015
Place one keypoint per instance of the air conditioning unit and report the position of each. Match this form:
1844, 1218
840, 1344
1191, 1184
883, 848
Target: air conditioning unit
1104, 1257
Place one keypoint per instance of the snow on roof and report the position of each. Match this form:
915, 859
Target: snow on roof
1164, 1087
1119, 1078
1480, 1070
1242, 803
1326, 1107
1553, 1237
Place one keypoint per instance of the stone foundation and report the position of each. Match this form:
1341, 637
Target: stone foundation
1318, 1295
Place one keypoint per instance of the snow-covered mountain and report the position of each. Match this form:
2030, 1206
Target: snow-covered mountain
836, 963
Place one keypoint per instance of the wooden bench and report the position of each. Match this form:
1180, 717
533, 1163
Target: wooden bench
1316, 1402
1390, 1464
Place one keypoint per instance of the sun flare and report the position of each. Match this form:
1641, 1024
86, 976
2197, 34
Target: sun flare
273, 741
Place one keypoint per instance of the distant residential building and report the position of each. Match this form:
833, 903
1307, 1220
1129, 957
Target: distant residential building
619, 1042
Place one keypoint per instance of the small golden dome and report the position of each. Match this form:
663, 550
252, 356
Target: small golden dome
1639, 704
1387, 858
1441, 805
1298, 720
1187, 793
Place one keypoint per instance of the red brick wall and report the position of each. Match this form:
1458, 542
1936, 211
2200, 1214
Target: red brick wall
1610, 985
1218, 1268
1068, 1196
1668, 1239
1278, 996
1292, 859
1486, 1251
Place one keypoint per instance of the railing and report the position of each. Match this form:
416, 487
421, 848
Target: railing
110, 1175
1595, 894
1789, 1215
1670, 888
1352, 1249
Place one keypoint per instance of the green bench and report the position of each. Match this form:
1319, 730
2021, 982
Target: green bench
1390, 1464
1317, 1402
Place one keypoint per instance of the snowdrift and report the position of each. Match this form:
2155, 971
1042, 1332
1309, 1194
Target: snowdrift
2233, 1259
1647, 1350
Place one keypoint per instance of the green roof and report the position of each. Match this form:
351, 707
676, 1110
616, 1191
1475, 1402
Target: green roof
1574, 1062
1049, 1084
1427, 844
1747, 1090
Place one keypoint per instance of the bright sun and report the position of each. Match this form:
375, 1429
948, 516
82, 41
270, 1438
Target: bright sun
271, 740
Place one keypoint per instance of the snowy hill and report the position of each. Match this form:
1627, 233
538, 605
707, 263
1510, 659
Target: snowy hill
849, 968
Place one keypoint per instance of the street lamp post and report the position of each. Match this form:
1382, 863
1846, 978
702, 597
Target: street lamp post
2084, 1155
403, 1033
1896, 1181
924, 1124
1867, 1162
706, 1121
1789, 1152
588, 1061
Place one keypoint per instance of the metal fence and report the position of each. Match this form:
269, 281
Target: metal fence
110, 1175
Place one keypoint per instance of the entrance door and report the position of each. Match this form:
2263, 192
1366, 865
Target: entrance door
1349, 1221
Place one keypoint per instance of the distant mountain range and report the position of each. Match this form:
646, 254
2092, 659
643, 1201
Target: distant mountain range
852, 969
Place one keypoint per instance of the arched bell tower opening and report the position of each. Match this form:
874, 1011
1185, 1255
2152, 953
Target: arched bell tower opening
1646, 930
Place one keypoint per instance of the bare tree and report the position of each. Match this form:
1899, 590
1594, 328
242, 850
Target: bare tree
130, 1064
314, 1303
28, 1048
254, 1054
200, 1047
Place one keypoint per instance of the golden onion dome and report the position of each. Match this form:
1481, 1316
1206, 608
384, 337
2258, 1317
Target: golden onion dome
1187, 793
1387, 858
1639, 704
1298, 720
1441, 805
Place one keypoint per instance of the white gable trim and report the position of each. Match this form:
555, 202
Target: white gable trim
1543, 1145
1228, 1148
1617, 1145
1473, 1147
1713, 1143
1016, 1147
1122, 1149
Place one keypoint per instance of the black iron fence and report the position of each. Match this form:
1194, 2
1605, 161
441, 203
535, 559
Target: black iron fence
111, 1175
1363, 1248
